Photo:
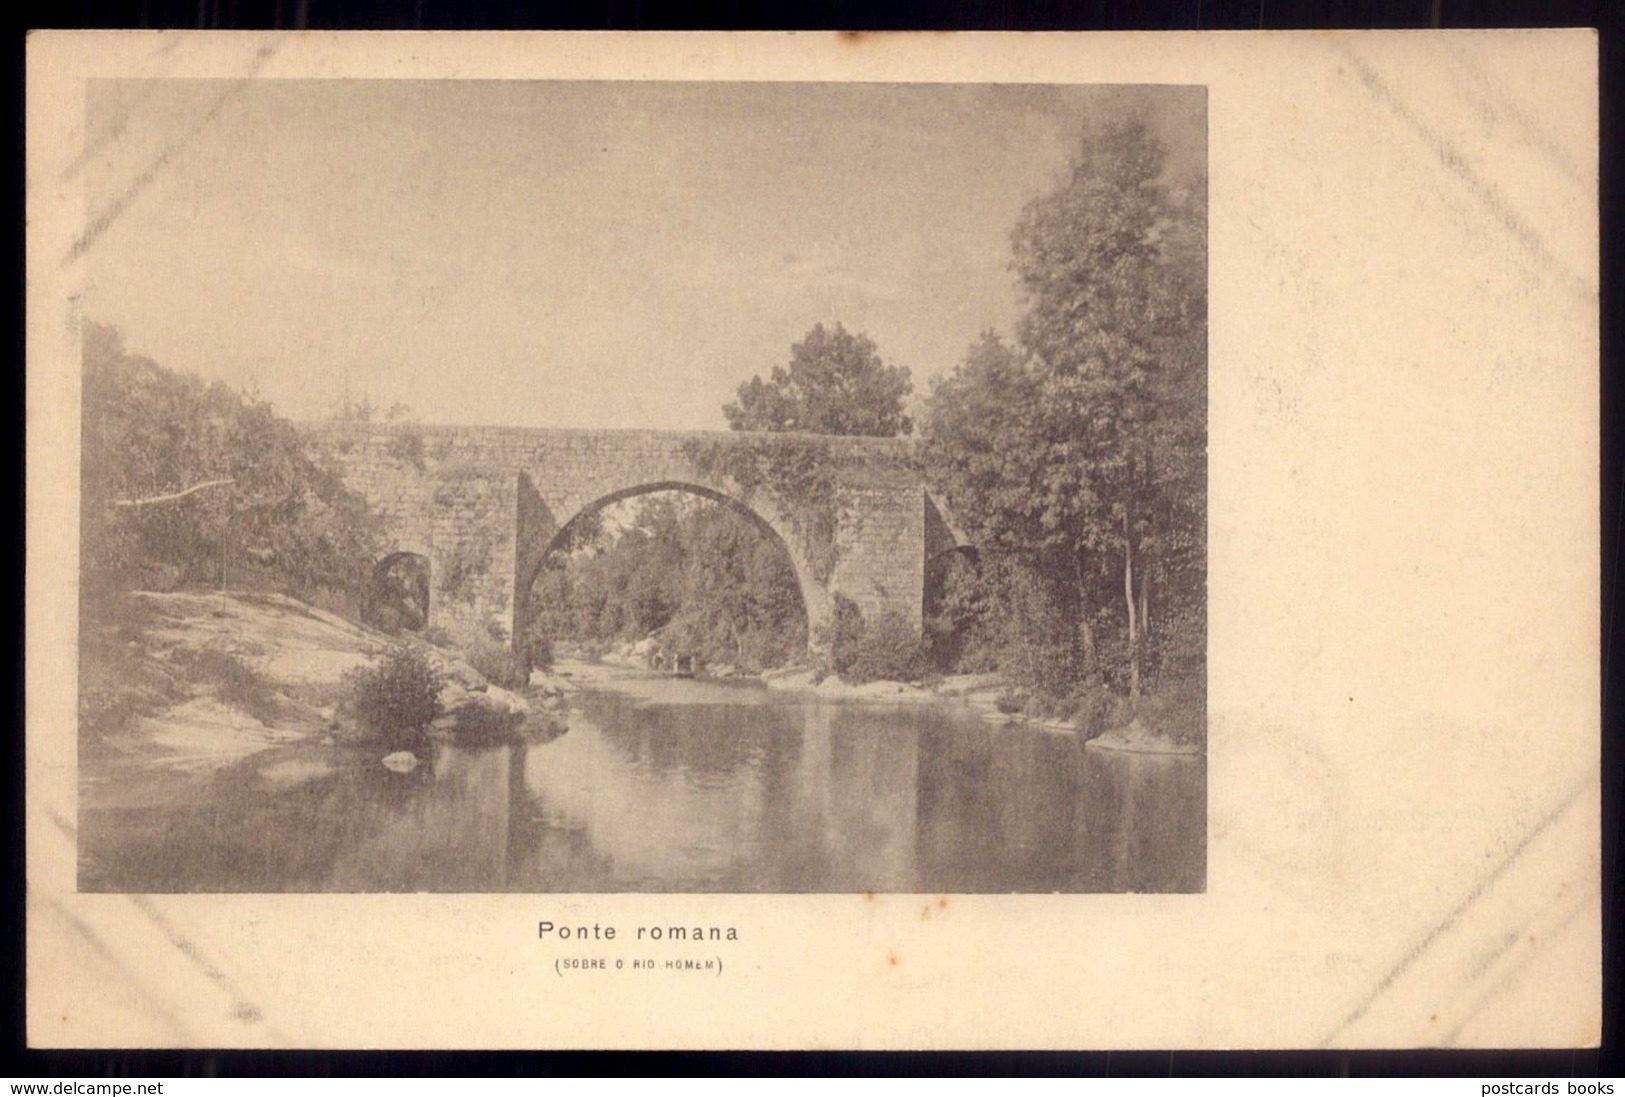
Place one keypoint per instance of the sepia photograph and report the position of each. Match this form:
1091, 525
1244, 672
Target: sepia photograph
620, 486
813, 541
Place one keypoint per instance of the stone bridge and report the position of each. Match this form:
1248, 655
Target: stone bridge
487, 505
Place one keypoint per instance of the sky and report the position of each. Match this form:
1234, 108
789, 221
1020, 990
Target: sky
566, 254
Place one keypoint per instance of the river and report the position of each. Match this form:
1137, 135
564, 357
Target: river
668, 785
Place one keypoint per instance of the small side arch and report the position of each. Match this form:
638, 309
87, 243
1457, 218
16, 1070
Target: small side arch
398, 592
942, 532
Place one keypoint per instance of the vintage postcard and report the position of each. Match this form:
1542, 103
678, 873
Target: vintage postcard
813, 541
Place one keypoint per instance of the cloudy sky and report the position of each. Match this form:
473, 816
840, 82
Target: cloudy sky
565, 254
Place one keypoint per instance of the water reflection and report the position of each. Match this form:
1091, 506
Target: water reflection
678, 786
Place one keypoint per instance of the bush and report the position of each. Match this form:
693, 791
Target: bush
889, 648
1179, 711
1092, 708
499, 663
539, 650
1011, 701
845, 633
398, 696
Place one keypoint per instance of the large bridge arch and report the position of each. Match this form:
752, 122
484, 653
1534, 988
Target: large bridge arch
484, 503
814, 594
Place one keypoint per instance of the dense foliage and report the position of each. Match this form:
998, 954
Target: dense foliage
498, 663
836, 383
398, 696
794, 476
888, 647
1077, 454
184, 481
698, 575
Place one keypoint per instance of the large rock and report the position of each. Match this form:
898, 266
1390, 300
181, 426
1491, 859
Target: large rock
1139, 738
963, 685
885, 691
832, 686
796, 678
201, 734
454, 698
462, 673
402, 761
503, 702
544, 684
285, 642
294, 666
492, 701
894, 692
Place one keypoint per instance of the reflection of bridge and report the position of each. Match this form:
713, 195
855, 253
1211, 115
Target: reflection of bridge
486, 505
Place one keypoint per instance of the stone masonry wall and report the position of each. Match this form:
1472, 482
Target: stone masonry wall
880, 564
483, 504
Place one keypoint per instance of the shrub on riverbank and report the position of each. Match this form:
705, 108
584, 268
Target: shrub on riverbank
539, 649
500, 665
1178, 712
888, 648
397, 697
845, 632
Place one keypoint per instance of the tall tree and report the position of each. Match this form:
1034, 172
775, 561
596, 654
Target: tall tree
1013, 472
1113, 265
836, 383
1107, 460
983, 443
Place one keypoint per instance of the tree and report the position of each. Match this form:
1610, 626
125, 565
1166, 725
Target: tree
178, 477
836, 383
982, 443
1016, 474
1082, 449
1112, 264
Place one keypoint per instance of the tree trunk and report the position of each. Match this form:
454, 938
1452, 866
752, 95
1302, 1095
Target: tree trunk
1145, 611
1145, 569
1085, 630
1133, 622
1145, 601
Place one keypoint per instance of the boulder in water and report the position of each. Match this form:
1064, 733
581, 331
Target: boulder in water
453, 697
502, 702
402, 761
459, 671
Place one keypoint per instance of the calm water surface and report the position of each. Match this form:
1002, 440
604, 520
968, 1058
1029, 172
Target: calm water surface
669, 785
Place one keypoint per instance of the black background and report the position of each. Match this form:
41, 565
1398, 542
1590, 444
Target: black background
1081, 15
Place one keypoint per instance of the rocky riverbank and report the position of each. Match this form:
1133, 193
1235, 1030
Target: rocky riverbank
985, 693
196, 681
